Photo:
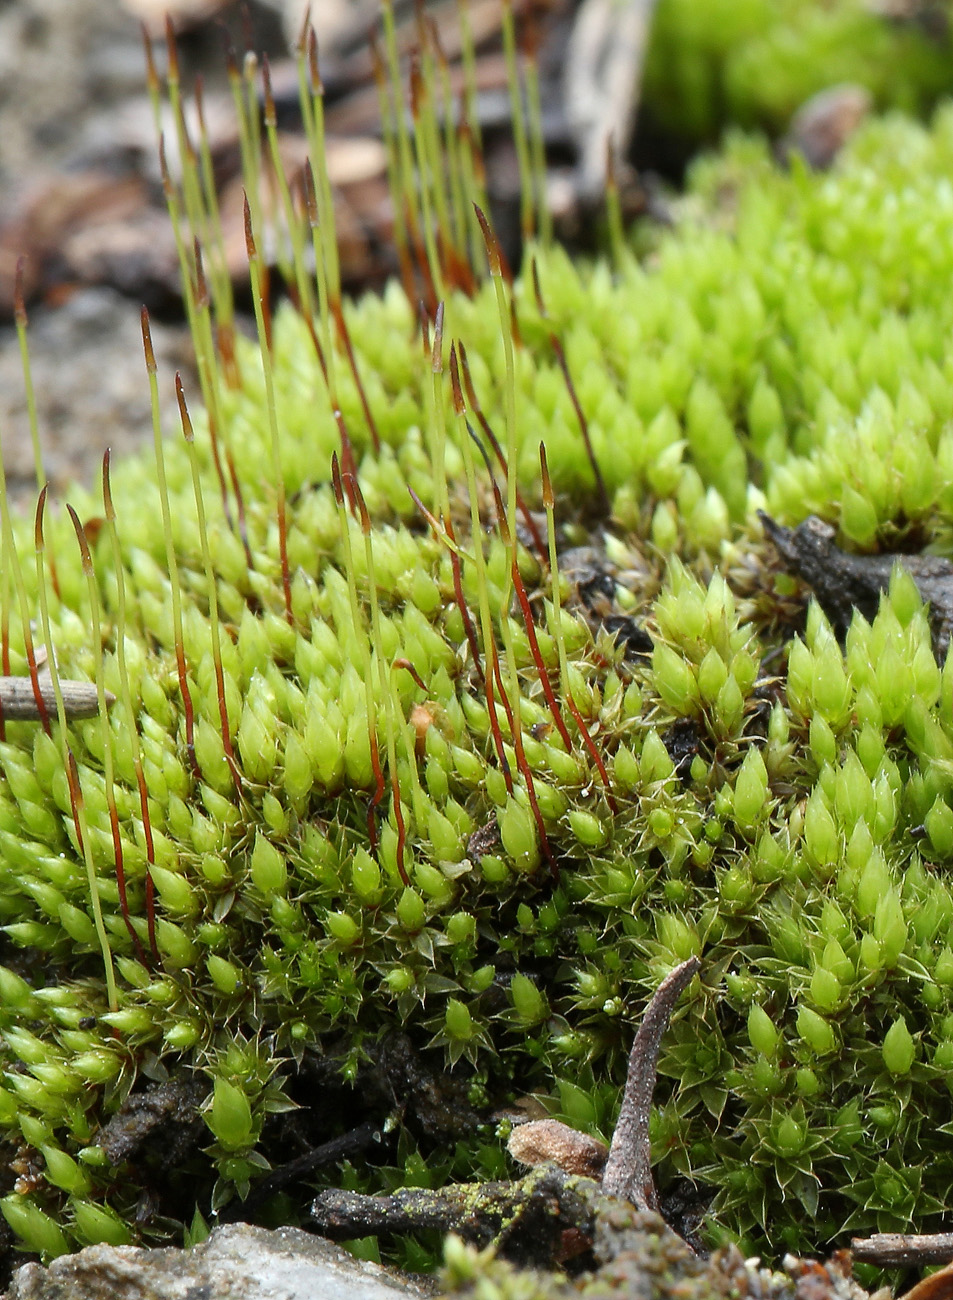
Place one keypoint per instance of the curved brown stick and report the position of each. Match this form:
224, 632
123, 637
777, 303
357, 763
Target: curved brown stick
628, 1173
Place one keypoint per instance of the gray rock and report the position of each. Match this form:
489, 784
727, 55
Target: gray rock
92, 391
237, 1262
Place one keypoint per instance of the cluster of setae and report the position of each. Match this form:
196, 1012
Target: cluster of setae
372, 764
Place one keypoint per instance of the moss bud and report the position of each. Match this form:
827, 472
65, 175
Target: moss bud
943, 1056
729, 707
871, 954
411, 911
494, 869
433, 884
400, 979
665, 525
229, 1117
181, 1036
943, 967
826, 989
765, 1078
297, 773
890, 927
712, 675
674, 679
588, 830
939, 825
97, 1223
343, 928
467, 766
178, 949
815, 1031
26, 1046
823, 742
15, 993
661, 823
873, 884
830, 685
257, 741
129, 1020
97, 1066
366, 878
63, 1171
858, 518
9, 1109
461, 928
625, 769
458, 1021
654, 761
529, 1004
789, 1134
445, 841
269, 871
751, 791
36, 1230
224, 974
806, 1082
677, 936
820, 833
519, 835
762, 1033
632, 701
437, 777
177, 895
899, 1048
765, 415
78, 925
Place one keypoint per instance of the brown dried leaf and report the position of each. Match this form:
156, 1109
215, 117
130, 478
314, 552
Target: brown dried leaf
938, 1286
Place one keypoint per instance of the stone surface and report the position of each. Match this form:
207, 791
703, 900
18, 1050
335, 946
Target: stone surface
72, 80
237, 1262
92, 390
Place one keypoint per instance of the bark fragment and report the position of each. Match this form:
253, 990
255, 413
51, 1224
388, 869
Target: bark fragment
843, 582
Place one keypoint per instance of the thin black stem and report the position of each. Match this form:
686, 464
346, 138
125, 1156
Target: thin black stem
328, 1153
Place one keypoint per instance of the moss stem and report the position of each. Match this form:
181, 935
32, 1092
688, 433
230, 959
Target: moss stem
263, 322
125, 695
77, 803
171, 560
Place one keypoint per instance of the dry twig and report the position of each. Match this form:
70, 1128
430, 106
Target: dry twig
338, 1148
890, 1249
628, 1172
18, 701
603, 80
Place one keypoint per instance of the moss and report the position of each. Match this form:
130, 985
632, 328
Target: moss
780, 807
755, 62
